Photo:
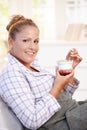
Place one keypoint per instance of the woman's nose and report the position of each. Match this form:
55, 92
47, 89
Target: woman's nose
31, 44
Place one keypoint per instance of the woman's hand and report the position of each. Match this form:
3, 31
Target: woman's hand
74, 55
60, 82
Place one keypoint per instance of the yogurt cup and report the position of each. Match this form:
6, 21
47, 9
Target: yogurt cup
65, 66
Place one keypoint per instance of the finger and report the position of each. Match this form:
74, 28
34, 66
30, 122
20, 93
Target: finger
71, 74
79, 58
72, 51
57, 71
76, 57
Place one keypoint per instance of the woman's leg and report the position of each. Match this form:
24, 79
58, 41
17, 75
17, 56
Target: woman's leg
58, 121
77, 117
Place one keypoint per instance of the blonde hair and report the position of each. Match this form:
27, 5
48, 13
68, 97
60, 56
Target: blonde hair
17, 23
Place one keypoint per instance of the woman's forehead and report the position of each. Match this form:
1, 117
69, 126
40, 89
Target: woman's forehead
28, 33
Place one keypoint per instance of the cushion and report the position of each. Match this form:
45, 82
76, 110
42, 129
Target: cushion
8, 120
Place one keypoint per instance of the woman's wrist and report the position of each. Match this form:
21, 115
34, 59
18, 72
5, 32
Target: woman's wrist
72, 82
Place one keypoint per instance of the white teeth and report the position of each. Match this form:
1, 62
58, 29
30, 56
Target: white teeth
30, 53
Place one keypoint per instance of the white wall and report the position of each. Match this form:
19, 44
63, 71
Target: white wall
23, 7
61, 19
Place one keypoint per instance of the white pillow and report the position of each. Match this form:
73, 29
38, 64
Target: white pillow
8, 120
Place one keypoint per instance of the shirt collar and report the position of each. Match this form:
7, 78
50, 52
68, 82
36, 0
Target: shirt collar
12, 60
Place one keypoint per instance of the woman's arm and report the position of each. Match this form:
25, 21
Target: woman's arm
16, 91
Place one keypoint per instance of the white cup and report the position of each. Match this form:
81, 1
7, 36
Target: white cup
65, 67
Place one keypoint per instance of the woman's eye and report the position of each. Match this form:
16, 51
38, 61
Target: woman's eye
36, 41
25, 40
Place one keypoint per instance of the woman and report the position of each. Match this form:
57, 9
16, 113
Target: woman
39, 99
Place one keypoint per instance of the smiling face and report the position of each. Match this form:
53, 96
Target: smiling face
25, 45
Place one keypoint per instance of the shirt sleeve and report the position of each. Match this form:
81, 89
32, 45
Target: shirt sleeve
69, 89
18, 95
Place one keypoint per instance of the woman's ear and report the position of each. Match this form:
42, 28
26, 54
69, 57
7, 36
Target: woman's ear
10, 43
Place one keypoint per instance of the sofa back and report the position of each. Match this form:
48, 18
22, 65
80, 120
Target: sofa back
8, 120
